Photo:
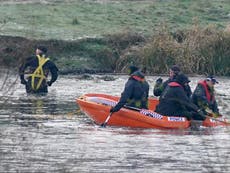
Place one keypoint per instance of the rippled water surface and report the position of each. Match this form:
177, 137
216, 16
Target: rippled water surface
50, 134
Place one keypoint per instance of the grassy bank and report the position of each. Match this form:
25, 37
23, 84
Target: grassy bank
73, 19
107, 36
87, 55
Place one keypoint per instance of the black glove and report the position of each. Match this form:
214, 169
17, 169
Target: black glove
189, 116
159, 80
23, 81
114, 109
201, 113
49, 83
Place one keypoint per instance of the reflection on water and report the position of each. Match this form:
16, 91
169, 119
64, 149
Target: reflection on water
50, 134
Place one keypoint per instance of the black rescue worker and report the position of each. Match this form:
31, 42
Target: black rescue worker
204, 96
160, 85
38, 67
174, 100
135, 93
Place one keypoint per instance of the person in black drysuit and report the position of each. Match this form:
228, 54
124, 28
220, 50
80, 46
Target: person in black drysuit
160, 85
175, 102
135, 93
36, 82
204, 96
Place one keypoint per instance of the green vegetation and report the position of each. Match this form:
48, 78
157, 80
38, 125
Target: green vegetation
108, 35
65, 20
198, 50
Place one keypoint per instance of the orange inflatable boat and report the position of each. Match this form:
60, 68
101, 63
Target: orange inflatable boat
97, 107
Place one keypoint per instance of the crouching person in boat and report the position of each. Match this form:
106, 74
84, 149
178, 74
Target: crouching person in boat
204, 97
160, 86
38, 68
174, 101
135, 93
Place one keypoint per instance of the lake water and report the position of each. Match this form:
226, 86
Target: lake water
50, 134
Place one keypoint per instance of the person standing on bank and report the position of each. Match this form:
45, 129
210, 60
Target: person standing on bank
135, 93
204, 96
38, 68
160, 86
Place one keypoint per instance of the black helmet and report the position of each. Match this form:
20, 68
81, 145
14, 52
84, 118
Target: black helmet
175, 69
132, 69
182, 79
139, 74
42, 48
212, 78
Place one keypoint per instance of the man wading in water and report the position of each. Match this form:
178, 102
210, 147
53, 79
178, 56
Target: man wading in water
38, 67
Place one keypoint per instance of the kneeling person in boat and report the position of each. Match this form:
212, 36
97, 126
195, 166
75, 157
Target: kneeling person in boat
174, 101
160, 86
38, 67
204, 96
135, 93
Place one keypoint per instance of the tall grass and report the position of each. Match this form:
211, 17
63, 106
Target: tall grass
197, 50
